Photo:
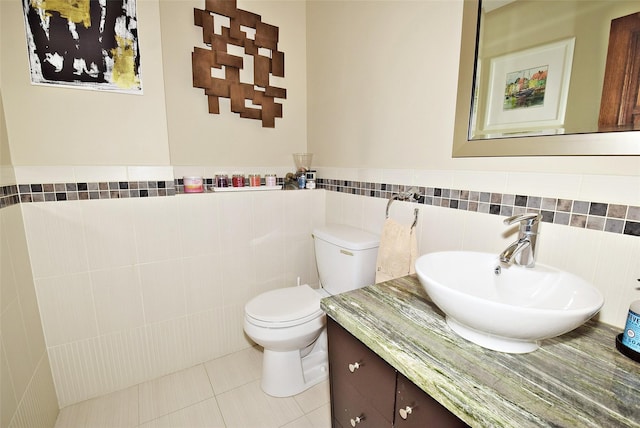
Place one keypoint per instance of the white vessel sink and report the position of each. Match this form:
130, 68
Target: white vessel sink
509, 311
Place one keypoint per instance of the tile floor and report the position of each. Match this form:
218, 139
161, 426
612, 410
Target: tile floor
224, 393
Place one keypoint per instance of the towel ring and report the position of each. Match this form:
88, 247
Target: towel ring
415, 210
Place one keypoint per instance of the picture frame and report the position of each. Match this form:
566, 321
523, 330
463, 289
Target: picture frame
84, 45
528, 89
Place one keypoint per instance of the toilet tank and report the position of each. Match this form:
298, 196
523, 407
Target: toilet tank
346, 257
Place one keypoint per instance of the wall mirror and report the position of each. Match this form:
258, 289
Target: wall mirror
531, 79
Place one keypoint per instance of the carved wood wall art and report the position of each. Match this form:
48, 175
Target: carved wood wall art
260, 94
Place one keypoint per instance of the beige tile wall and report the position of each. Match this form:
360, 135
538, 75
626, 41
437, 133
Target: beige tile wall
27, 398
131, 289
608, 260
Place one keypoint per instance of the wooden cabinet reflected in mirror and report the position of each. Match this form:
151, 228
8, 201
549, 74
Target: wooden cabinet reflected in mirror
620, 104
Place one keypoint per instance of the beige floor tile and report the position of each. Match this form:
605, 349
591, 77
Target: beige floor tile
302, 422
116, 410
173, 392
205, 414
321, 417
314, 397
249, 407
234, 370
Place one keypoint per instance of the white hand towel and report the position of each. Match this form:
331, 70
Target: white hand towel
397, 252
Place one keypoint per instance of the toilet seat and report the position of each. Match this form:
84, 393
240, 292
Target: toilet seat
284, 307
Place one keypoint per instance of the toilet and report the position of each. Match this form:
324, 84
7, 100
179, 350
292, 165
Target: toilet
289, 323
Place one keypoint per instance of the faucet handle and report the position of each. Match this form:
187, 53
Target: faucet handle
528, 217
529, 221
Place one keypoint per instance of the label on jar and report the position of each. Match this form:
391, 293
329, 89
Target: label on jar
631, 336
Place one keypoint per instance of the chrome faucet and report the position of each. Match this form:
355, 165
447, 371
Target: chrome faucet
523, 251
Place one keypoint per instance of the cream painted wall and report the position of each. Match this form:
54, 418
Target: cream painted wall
6, 172
199, 138
59, 126
382, 79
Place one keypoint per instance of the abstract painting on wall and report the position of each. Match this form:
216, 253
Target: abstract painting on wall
88, 44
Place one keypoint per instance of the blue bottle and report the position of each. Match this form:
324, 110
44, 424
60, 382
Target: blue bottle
631, 336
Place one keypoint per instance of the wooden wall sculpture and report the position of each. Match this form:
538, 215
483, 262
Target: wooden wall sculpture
260, 94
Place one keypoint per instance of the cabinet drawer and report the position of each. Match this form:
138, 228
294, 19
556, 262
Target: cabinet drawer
351, 409
415, 408
351, 362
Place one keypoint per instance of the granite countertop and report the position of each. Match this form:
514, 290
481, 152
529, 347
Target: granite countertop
578, 379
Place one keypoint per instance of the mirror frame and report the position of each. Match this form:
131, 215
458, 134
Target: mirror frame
623, 143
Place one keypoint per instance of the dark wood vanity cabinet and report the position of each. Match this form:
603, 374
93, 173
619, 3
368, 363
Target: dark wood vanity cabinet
368, 392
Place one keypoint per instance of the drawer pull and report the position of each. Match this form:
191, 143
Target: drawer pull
355, 421
404, 413
353, 367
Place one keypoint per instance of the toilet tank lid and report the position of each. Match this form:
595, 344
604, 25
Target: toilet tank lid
348, 237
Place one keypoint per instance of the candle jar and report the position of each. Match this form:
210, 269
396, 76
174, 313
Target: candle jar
254, 180
222, 179
270, 179
193, 184
238, 180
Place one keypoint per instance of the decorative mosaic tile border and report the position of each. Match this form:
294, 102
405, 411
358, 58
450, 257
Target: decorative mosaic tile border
50, 192
614, 218
9, 196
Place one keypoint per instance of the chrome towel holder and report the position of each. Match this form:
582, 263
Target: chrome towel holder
410, 195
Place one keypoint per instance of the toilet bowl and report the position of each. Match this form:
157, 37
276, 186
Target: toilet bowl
289, 323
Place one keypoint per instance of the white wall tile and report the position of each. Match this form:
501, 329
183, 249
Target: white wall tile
607, 260
269, 264
352, 212
434, 178
532, 184
109, 233
162, 286
206, 331
611, 189
271, 218
235, 222
118, 299
300, 262
377, 208
44, 174
38, 407
398, 176
8, 283
167, 345
67, 308
14, 234
98, 173
8, 399
156, 233
238, 276
16, 348
55, 238
203, 282
481, 181
370, 175
150, 173
198, 224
